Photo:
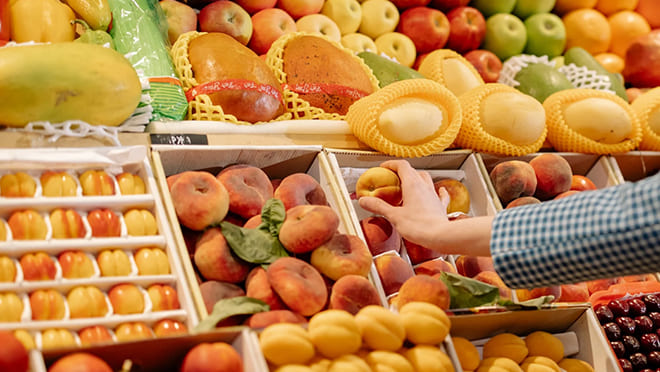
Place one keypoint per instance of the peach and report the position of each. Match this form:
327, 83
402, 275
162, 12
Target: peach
213, 291
27, 224
66, 223
472, 265
11, 307
306, 227
257, 286
199, 199
380, 182
133, 331
13, 355
114, 262
57, 338
380, 235
492, 278
553, 175
7, 269
342, 255
253, 222
169, 327
25, 338
104, 223
433, 267
80, 361
417, 253
19, 184
423, 288
151, 261
393, 272
266, 318
130, 184
299, 285
96, 182
459, 197
140, 222
523, 200
582, 183
3, 230
93, 335
126, 298
352, 293
565, 194
212, 357
86, 302
38, 266
299, 189
58, 183
216, 261
47, 304
76, 265
249, 188
163, 297
513, 179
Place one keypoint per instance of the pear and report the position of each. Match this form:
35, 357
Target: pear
540, 80
580, 57
386, 70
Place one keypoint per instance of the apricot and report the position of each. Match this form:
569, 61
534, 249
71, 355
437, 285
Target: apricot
424, 288
216, 261
199, 199
380, 235
553, 175
66, 223
306, 227
94, 335
126, 298
334, 333
299, 189
427, 358
47, 304
249, 188
383, 360
499, 364
19, 184
352, 293
349, 363
513, 179
342, 255
286, 343
130, 184
96, 182
425, 323
467, 353
539, 364
506, 345
575, 365
381, 328
27, 224
266, 318
393, 272
300, 286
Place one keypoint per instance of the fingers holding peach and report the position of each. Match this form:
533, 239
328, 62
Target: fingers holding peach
199, 199
380, 182
307, 227
249, 188
300, 188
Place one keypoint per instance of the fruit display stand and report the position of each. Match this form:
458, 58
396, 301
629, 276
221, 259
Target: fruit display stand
276, 161
144, 235
635, 165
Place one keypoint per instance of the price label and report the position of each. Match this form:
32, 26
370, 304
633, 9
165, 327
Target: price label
178, 139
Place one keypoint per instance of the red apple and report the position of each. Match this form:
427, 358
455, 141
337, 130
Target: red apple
253, 6
300, 8
642, 58
227, 17
181, 18
267, 26
427, 28
406, 4
447, 5
486, 63
467, 28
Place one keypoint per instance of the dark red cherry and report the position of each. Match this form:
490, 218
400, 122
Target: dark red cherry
652, 302
650, 342
631, 343
643, 324
638, 361
603, 313
653, 359
618, 348
626, 366
626, 324
655, 317
612, 331
619, 307
637, 307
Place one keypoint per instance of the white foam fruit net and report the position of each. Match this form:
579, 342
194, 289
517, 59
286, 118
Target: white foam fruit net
513, 65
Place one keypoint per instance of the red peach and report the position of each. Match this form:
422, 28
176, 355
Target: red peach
523, 200
306, 227
213, 291
19, 184
130, 184
299, 285
342, 255
426, 289
199, 199
163, 297
216, 261
47, 304
253, 222
380, 235
299, 189
553, 175
27, 224
249, 188
352, 293
472, 265
57, 183
257, 286
582, 183
169, 327
104, 223
76, 265
565, 194
38, 266
126, 298
418, 254
492, 278
86, 302
393, 272
80, 362
212, 357
94, 335
132, 331
433, 267
554, 291
513, 179
266, 318
97, 182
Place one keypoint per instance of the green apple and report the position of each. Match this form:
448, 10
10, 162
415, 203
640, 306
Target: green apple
526, 8
490, 7
347, 14
540, 80
358, 43
506, 35
546, 35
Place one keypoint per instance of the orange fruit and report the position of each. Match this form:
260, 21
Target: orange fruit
609, 7
565, 6
612, 62
626, 26
589, 29
650, 9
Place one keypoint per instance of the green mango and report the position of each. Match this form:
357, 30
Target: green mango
580, 57
386, 70
540, 80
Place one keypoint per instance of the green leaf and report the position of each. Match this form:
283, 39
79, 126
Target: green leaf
272, 216
467, 292
534, 303
229, 307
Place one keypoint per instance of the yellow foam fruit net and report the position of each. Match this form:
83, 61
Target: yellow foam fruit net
647, 108
296, 106
364, 117
433, 67
565, 139
201, 107
474, 136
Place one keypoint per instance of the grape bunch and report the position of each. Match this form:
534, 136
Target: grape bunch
632, 325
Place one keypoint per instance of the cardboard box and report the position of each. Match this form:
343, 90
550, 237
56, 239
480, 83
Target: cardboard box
276, 161
589, 343
635, 165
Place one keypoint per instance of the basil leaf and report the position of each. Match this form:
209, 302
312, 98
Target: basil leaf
467, 292
272, 216
534, 303
229, 307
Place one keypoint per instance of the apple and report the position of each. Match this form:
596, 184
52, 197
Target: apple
398, 46
446, 6
467, 28
407, 4
638, 70
486, 63
319, 24
527, 8
506, 35
300, 8
546, 35
253, 6
347, 14
378, 17
491, 7
267, 26
181, 18
427, 28
358, 42
227, 17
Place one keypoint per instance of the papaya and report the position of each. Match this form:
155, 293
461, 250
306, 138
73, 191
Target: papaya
66, 81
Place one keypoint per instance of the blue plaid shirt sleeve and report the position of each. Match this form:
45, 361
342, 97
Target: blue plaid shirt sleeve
593, 234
